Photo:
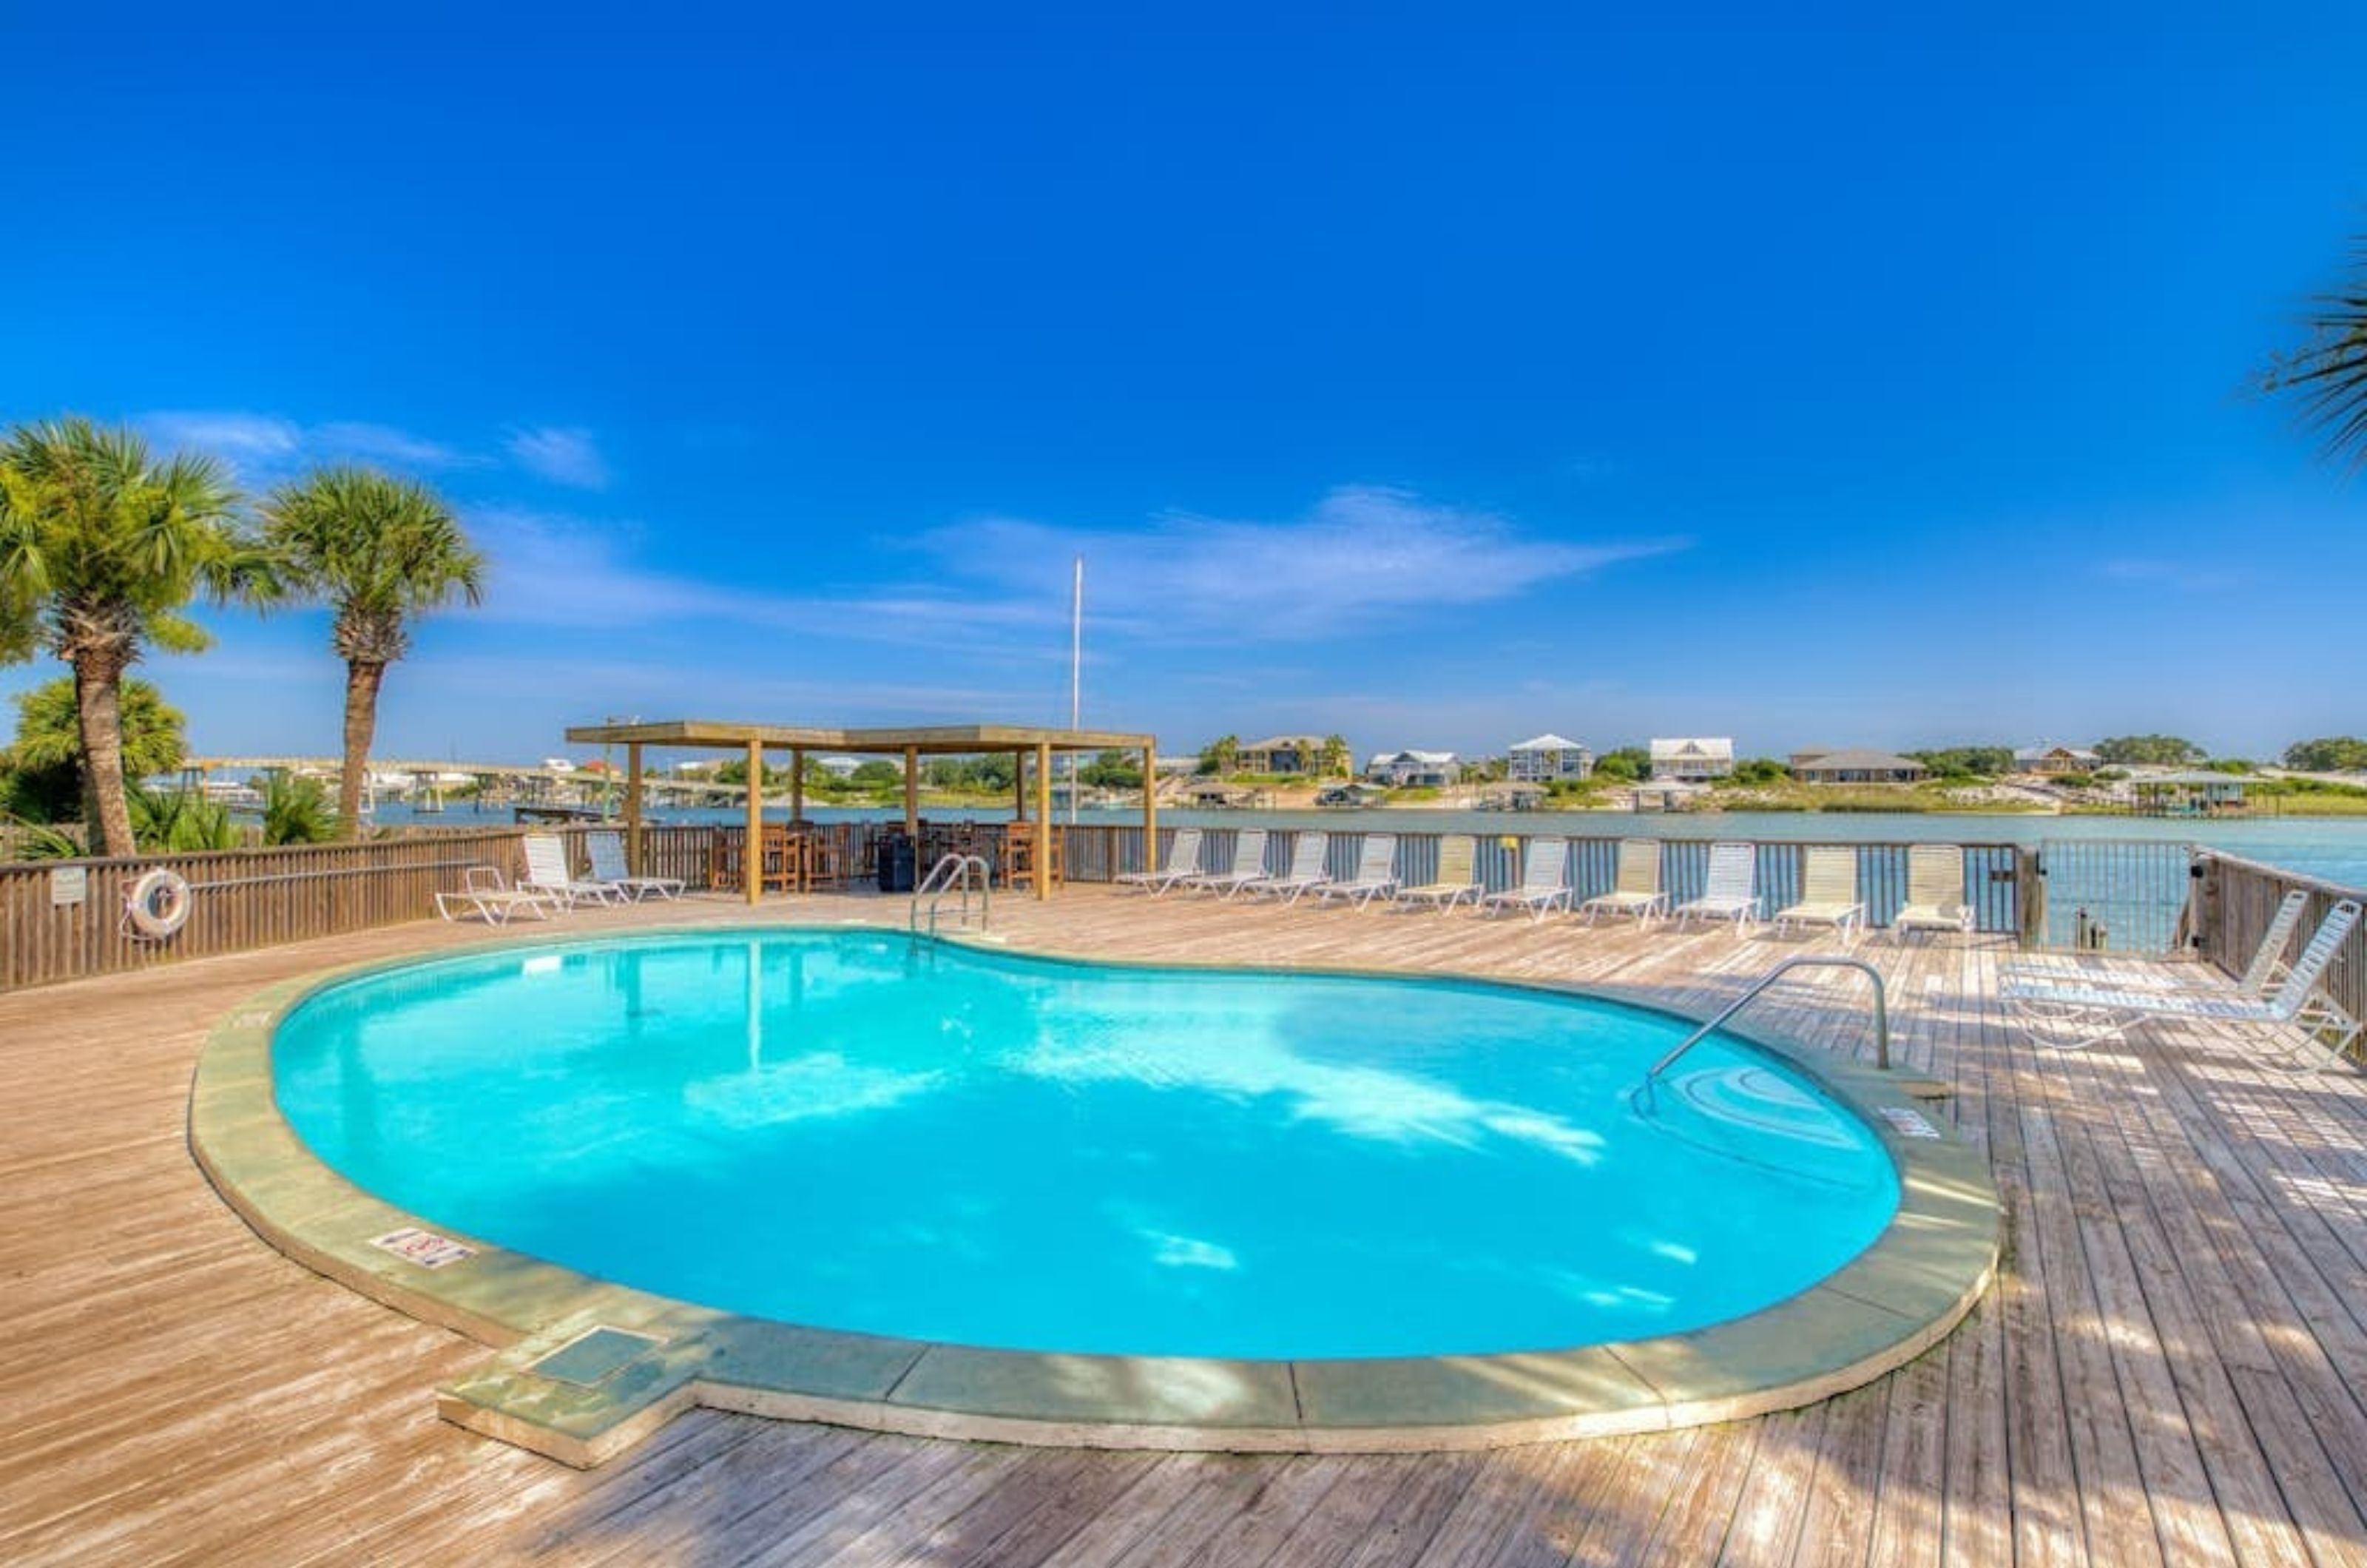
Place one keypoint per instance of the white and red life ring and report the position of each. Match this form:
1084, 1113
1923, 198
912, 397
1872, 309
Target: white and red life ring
158, 904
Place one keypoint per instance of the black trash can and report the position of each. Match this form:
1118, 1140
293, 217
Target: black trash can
898, 861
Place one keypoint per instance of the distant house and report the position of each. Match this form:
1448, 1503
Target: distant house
1548, 758
1691, 761
2055, 760
1177, 767
1855, 764
1281, 754
838, 767
1412, 769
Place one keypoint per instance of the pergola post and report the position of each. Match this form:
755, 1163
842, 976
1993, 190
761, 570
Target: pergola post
912, 796
1150, 808
752, 863
796, 783
633, 806
1018, 785
1043, 821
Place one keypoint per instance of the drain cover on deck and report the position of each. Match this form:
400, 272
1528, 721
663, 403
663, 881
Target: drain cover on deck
592, 1357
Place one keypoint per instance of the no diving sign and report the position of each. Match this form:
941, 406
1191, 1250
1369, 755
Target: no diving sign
424, 1247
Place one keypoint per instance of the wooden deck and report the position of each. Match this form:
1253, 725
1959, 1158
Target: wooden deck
2172, 1369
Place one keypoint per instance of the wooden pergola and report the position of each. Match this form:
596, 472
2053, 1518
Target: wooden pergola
932, 741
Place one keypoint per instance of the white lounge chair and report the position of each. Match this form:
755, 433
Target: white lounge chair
1183, 865
1635, 887
1544, 864
545, 872
1730, 891
1306, 857
1935, 892
1458, 875
2267, 969
1376, 863
1248, 866
608, 854
2067, 1016
1828, 894
485, 894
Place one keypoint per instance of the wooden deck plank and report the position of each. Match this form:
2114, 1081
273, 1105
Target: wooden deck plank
2274, 1483
2172, 1368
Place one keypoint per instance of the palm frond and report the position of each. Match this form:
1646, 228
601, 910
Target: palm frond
2328, 373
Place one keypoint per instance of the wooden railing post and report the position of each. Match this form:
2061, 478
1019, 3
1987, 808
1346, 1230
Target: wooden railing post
2205, 916
2030, 884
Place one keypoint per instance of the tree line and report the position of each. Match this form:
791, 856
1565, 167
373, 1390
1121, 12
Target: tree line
105, 545
2330, 755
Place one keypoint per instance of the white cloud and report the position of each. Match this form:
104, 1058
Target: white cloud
386, 444
553, 570
1363, 558
234, 437
1363, 555
264, 448
567, 456
2187, 577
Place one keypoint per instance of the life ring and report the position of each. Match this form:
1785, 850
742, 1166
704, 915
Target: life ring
158, 903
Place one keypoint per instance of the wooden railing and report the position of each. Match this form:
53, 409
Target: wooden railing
243, 900
2235, 899
240, 899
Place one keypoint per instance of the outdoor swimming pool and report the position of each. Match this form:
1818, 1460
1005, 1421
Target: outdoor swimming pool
854, 1131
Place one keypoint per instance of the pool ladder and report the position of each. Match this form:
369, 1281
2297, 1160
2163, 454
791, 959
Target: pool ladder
1758, 986
956, 874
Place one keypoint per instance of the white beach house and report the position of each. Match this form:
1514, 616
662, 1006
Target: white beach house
1692, 760
1548, 758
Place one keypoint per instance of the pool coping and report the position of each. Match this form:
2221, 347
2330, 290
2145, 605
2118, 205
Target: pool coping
1902, 1294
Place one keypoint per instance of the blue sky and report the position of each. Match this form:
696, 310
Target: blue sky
1436, 375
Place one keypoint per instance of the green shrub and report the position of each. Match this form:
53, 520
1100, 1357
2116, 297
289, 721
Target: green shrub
297, 811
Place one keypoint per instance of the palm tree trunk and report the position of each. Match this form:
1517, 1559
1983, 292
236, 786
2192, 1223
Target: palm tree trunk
362, 680
98, 676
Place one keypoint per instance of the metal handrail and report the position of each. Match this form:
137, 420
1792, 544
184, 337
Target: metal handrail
952, 875
1818, 961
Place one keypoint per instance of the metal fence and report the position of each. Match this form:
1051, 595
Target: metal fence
1995, 874
2113, 895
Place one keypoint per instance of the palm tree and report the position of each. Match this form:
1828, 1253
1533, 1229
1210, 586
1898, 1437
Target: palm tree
2329, 373
1335, 757
43, 764
380, 551
102, 547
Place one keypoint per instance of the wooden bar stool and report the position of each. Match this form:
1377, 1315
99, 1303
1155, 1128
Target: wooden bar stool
781, 863
823, 865
1019, 858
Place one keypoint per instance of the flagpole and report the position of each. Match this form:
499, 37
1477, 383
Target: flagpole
1076, 674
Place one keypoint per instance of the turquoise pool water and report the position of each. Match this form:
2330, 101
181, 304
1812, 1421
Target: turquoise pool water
854, 1131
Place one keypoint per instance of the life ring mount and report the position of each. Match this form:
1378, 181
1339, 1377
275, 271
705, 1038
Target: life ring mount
158, 904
